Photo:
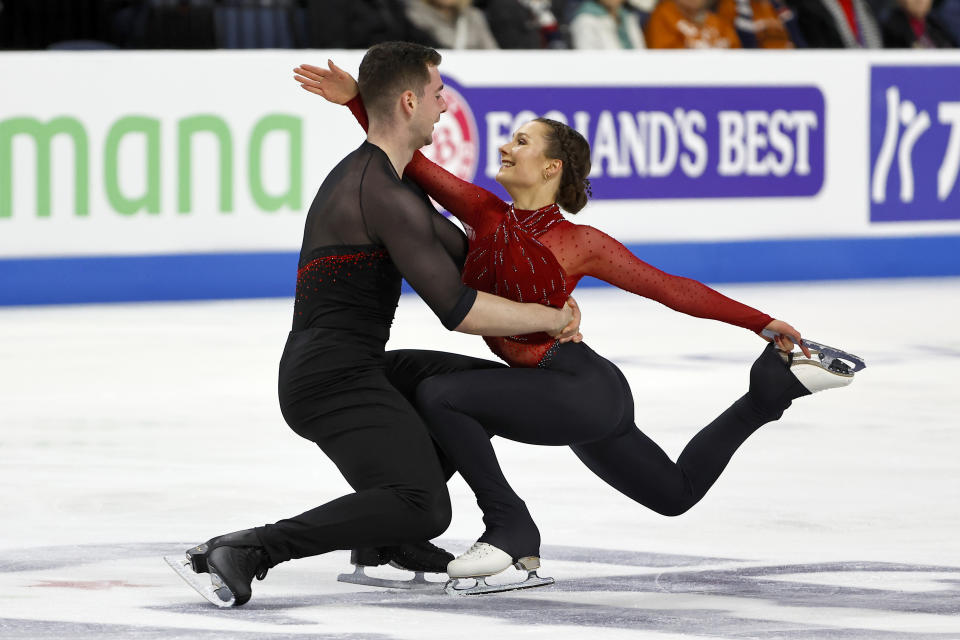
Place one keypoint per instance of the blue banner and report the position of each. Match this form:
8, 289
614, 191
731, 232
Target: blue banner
914, 143
653, 142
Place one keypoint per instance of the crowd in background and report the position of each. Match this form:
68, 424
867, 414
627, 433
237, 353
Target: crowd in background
479, 24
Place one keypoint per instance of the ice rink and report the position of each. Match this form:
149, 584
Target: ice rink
134, 431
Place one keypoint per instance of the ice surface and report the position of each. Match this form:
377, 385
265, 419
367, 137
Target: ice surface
128, 432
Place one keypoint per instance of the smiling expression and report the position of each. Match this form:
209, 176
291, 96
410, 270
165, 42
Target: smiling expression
429, 107
522, 159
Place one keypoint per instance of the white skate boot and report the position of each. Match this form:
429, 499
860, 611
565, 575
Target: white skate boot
828, 368
483, 560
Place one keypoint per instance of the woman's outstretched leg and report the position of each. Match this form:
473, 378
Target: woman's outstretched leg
633, 464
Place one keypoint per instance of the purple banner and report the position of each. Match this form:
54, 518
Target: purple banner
914, 143
652, 142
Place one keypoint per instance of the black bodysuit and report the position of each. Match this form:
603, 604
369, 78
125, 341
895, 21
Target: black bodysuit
365, 229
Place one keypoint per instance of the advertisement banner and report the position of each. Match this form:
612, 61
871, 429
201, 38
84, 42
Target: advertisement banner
193, 180
653, 141
914, 143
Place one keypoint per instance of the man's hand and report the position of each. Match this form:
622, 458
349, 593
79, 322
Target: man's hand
333, 84
787, 337
570, 331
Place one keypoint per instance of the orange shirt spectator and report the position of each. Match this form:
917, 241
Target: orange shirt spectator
766, 25
687, 24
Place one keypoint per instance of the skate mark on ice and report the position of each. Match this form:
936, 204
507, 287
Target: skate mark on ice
621, 557
939, 350
89, 585
60, 557
785, 586
696, 595
54, 630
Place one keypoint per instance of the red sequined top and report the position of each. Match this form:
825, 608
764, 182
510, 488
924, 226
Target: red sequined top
538, 256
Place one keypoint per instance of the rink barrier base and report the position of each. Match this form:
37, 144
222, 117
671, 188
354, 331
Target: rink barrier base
207, 276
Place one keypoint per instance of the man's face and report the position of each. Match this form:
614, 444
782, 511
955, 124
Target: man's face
429, 107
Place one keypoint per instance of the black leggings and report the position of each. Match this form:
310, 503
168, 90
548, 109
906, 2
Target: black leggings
582, 400
346, 395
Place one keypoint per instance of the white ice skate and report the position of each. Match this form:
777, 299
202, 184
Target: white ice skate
469, 571
828, 368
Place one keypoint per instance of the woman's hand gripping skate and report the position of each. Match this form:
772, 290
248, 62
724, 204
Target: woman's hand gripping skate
785, 337
334, 84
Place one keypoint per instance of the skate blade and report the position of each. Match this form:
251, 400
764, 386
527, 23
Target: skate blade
480, 585
849, 363
828, 355
207, 585
417, 583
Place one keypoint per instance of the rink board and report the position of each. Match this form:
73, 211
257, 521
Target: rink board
724, 166
27, 281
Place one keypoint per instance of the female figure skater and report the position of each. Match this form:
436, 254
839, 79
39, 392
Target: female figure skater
566, 394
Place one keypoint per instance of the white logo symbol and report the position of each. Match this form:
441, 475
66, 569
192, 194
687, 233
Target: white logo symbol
455, 138
916, 124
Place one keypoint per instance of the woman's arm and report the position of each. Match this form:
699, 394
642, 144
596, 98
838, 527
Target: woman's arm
472, 205
588, 251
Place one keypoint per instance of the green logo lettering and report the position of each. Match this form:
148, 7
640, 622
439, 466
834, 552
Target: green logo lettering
150, 200
293, 128
216, 126
42, 135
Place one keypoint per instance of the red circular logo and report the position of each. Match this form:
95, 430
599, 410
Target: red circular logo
455, 138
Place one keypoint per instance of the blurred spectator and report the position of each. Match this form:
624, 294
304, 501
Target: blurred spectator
910, 24
454, 24
687, 24
837, 24
605, 24
524, 24
39, 24
948, 13
767, 24
259, 24
359, 24
163, 24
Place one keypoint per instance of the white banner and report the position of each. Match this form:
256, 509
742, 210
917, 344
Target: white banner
173, 152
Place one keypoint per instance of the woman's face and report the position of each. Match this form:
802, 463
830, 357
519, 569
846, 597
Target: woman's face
522, 159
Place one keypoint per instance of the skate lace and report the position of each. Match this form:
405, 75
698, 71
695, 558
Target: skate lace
479, 549
261, 568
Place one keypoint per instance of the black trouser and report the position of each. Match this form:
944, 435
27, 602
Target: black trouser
582, 400
335, 391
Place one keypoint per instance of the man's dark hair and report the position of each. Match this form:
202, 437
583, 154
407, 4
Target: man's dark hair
389, 69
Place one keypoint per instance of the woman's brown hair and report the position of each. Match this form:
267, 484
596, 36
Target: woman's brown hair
571, 148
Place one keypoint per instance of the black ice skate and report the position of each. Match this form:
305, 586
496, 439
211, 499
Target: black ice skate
232, 562
469, 571
420, 558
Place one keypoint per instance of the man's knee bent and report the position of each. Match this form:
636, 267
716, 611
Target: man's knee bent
429, 509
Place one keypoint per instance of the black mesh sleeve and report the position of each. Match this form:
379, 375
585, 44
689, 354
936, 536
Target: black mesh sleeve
397, 218
453, 239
